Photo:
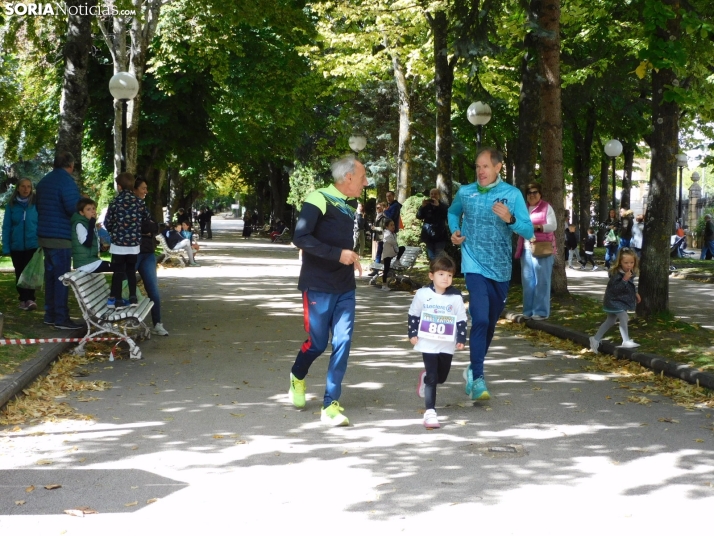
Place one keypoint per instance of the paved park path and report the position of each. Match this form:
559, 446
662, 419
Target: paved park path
203, 426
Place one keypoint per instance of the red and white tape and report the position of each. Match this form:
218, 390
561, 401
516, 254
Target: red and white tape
11, 342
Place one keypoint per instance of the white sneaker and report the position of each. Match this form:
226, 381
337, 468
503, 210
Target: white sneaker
159, 330
629, 344
594, 344
594, 269
385, 288
431, 420
421, 385
538, 317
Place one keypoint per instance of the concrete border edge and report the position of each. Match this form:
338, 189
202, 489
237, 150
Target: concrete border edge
655, 362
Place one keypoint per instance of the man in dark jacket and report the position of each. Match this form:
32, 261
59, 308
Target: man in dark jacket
324, 233
708, 245
433, 230
57, 197
393, 210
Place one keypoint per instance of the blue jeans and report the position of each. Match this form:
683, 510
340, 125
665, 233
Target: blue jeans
324, 313
487, 300
625, 242
434, 249
610, 254
146, 266
57, 263
708, 245
535, 278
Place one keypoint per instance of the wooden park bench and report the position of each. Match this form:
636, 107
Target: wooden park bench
399, 269
169, 253
92, 291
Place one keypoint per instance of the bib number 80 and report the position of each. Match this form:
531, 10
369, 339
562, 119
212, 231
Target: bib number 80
439, 329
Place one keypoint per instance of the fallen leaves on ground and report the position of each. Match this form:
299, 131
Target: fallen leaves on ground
624, 371
39, 401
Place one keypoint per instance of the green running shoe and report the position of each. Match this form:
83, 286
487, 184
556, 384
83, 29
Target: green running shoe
479, 391
296, 393
333, 416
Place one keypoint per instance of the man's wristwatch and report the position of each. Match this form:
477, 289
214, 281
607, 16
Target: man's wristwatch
513, 220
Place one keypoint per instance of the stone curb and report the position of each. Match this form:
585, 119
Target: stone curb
653, 361
14, 383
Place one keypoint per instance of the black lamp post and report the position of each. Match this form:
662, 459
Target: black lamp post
613, 149
123, 86
681, 164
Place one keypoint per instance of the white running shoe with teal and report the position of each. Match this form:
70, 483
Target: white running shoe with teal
479, 391
469, 377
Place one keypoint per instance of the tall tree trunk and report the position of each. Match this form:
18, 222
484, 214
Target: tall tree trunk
443, 84
603, 204
141, 30
659, 219
628, 152
279, 185
526, 154
405, 136
552, 127
75, 88
583, 142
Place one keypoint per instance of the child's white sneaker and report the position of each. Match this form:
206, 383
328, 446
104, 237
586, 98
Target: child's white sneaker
431, 420
421, 385
629, 344
594, 344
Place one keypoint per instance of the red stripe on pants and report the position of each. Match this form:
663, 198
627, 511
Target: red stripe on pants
306, 321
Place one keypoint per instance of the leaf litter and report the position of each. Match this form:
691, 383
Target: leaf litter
41, 400
623, 371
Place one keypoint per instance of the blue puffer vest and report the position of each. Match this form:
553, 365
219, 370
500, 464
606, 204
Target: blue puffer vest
57, 196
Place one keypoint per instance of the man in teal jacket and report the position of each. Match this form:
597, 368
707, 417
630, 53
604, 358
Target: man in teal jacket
482, 219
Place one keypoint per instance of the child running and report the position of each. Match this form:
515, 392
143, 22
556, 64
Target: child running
437, 325
620, 296
124, 218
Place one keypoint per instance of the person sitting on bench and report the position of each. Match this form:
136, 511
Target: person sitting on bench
176, 242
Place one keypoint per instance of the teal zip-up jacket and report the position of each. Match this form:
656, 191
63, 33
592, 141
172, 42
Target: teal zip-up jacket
487, 249
19, 228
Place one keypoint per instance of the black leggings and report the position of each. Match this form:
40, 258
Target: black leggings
123, 266
20, 260
437, 370
387, 262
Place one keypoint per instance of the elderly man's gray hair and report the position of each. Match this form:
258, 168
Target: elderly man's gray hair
342, 167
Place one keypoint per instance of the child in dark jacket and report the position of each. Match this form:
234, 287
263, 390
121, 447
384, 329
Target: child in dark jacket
124, 218
571, 244
620, 296
590, 243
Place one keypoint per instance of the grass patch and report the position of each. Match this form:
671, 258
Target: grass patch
19, 324
662, 335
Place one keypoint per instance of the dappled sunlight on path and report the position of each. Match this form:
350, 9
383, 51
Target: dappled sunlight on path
204, 425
